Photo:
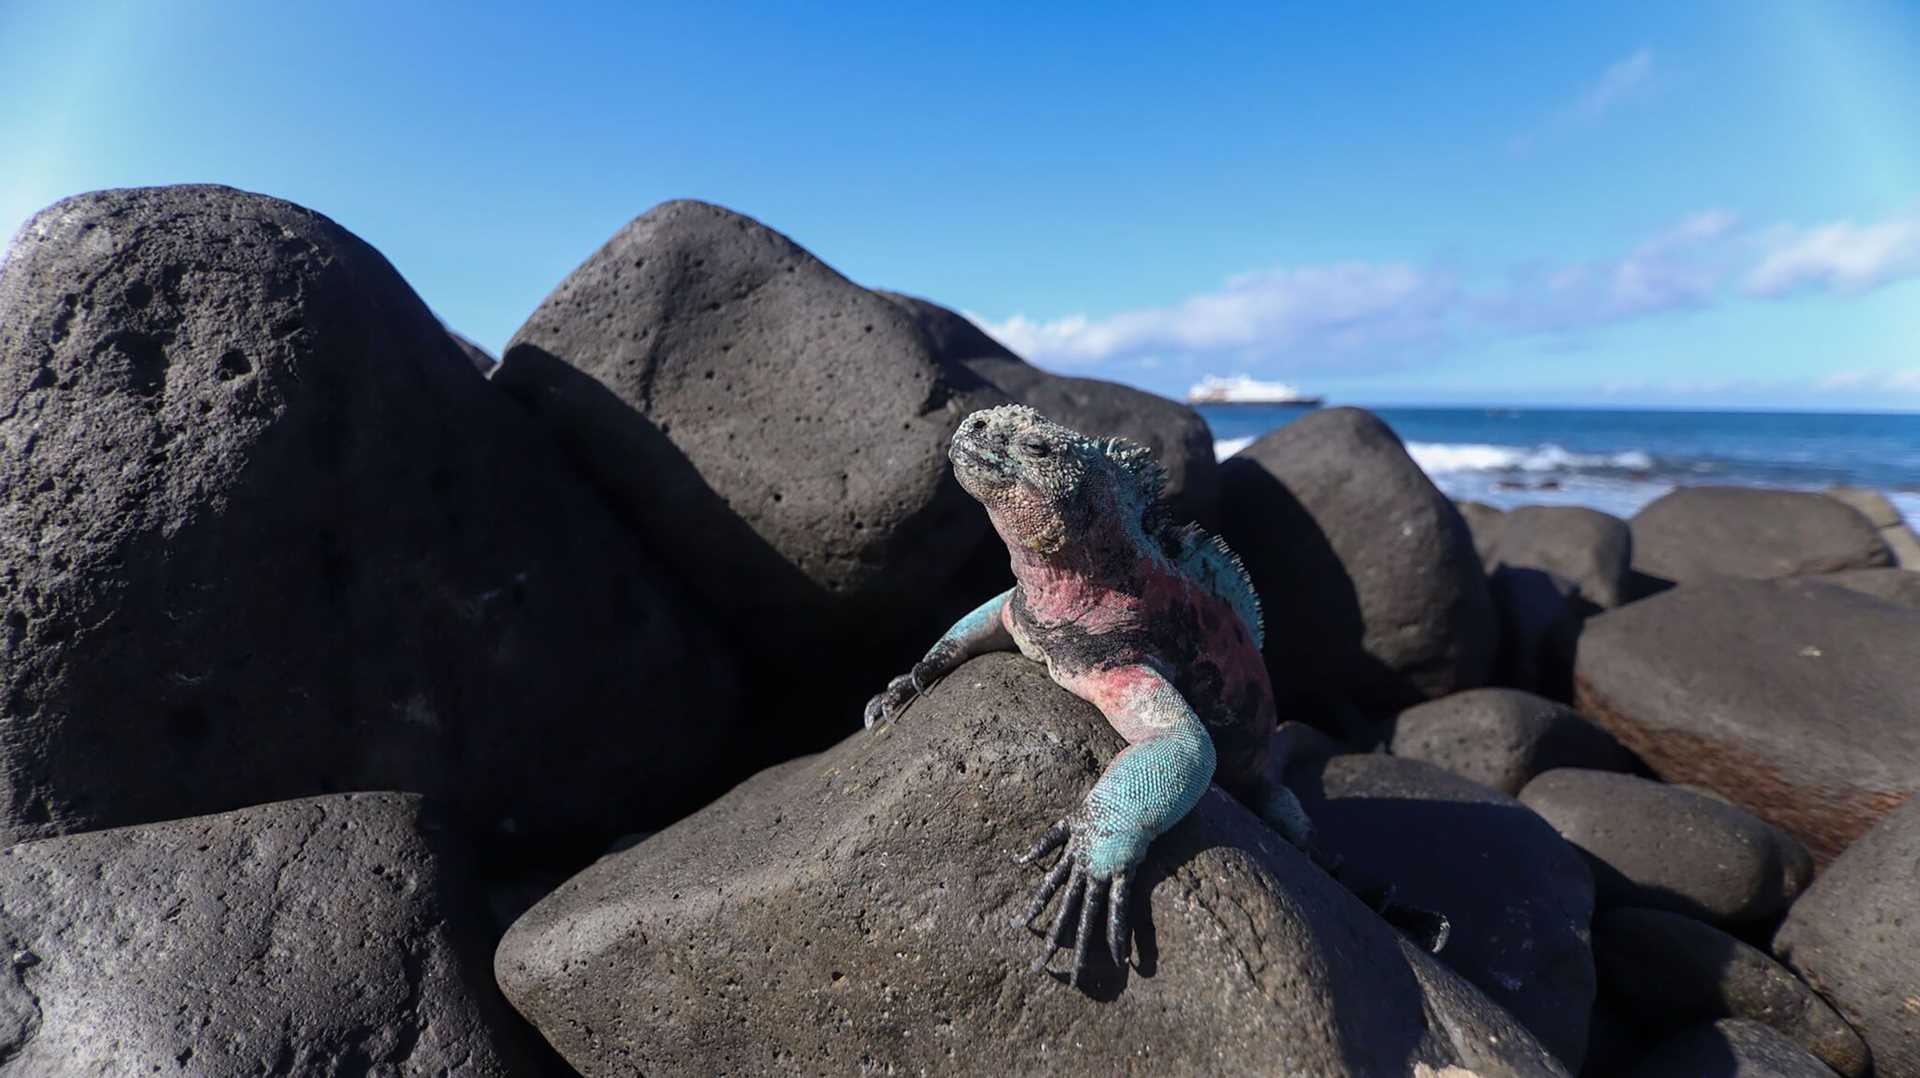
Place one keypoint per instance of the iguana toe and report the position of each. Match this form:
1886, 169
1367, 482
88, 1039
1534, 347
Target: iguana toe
891, 701
1086, 890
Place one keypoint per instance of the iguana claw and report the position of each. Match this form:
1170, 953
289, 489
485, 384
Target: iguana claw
1083, 889
892, 702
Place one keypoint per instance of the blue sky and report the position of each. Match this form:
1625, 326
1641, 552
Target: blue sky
1700, 204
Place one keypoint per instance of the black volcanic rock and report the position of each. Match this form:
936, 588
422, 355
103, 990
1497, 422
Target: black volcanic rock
1701, 533
1540, 615
1368, 575
1675, 971
848, 912
1792, 698
1856, 939
1898, 586
1519, 898
1486, 522
1180, 439
1592, 549
265, 533
482, 360
1901, 542
777, 432
1729, 1048
333, 935
1502, 738
1663, 847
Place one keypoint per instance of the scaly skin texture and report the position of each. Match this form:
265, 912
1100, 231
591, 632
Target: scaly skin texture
1156, 625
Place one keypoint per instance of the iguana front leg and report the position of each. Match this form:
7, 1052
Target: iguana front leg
1154, 782
978, 633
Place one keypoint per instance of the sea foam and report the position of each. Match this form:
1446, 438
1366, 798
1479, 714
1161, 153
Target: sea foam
1447, 458
1438, 458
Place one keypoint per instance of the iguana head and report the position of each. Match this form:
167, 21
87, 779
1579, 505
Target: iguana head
1047, 487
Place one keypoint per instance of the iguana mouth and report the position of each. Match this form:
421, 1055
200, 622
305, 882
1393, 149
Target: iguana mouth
964, 454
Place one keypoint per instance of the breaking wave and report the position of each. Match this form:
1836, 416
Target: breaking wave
1442, 458
1227, 447
1450, 458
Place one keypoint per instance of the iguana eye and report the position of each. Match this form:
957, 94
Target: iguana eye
1035, 447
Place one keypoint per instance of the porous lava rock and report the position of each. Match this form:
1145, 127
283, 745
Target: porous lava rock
849, 911
1592, 549
1486, 522
776, 432
1701, 533
1540, 614
331, 935
1898, 586
1674, 971
1368, 575
1729, 1048
1520, 900
1180, 439
1502, 738
1662, 847
265, 533
482, 360
1855, 938
1794, 699
1884, 515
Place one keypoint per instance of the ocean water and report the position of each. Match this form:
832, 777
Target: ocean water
1618, 460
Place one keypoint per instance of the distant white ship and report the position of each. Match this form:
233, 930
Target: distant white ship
1241, 389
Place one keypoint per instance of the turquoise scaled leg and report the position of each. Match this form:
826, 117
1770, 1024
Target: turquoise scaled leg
978, 633
1148, 788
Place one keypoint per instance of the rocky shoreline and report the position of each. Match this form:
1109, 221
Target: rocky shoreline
371, 707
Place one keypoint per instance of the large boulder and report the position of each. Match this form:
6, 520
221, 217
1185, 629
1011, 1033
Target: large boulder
265, 533
1854, 937
1674, 971
1592, 549
777, 432
1180, 439
1794, 699
334, 935
848, 912
1700, 533
482, 360
1730, 1048
1884, 515
1502, 738
1520, 899
1616, 1040
1486, 522
1900, 586
1540, 615
1369, 579
1663, 847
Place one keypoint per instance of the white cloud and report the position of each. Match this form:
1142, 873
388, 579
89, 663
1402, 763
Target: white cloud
1617, 83
1841, 257
1679, 268
1902, 381
1375, 315
1622, 81
1341, 308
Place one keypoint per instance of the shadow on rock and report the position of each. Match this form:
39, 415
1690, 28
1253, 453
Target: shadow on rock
1316, 659
851, 909
795, 629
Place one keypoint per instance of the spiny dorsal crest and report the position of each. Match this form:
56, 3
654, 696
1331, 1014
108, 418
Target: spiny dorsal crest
1201, 554
1145, 478
1208, 558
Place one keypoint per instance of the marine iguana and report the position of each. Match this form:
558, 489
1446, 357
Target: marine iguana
1154, 623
